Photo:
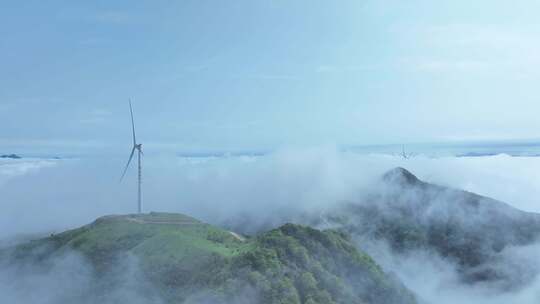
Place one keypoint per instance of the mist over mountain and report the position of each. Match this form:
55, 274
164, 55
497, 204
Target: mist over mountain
469, 230
468, 246
475, 244
437, 242
269, 152
175, 258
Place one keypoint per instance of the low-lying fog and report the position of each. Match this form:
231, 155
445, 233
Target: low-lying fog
43, 196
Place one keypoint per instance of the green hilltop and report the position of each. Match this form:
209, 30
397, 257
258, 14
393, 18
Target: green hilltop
189, 261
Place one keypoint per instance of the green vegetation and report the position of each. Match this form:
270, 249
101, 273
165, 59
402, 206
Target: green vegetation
305, 265
467, 229
188, 261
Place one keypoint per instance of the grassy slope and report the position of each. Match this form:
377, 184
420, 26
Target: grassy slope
182, 256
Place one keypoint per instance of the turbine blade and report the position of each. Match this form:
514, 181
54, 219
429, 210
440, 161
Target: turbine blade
127, 165
132, 122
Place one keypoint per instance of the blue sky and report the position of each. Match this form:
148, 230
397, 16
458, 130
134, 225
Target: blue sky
207, 75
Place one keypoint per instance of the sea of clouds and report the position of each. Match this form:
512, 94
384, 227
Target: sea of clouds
39, 197
50, 195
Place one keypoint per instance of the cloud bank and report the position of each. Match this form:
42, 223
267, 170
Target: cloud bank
41, 197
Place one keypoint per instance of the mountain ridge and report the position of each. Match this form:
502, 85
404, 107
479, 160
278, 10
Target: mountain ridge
468, 229
188, 261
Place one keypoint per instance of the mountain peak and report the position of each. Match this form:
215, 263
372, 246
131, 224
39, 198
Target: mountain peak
400, 176
219, 265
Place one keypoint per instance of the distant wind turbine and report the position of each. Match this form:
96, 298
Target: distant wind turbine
405, 155
137, 147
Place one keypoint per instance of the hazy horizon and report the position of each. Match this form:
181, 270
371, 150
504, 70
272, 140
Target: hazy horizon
262, 75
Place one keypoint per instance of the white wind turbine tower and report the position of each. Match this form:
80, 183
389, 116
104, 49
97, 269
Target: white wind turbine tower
137, 147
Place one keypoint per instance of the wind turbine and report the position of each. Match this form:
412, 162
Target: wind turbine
137, 147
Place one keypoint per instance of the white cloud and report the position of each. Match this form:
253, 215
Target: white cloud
333, 68
72, 193
115, 17
455, 65
78, 191
10, 169
470, 47
96, 116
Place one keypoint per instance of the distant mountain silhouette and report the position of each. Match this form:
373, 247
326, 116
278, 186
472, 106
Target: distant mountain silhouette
12, 156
